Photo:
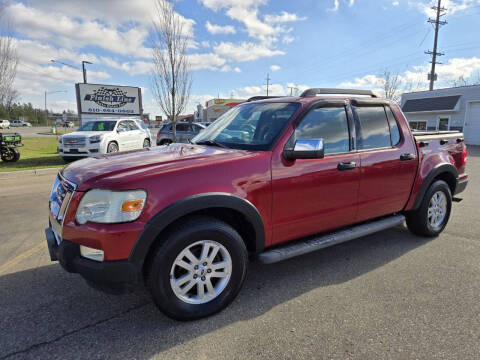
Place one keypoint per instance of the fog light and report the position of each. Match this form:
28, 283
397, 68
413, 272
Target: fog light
91, 253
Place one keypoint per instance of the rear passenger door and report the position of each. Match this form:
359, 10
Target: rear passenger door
136, 135
388, 162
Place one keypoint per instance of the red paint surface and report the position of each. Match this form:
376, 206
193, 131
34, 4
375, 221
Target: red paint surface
294, 198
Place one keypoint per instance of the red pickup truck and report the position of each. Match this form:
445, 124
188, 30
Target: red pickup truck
269, 180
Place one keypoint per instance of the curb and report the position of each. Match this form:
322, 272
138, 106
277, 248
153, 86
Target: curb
33, 172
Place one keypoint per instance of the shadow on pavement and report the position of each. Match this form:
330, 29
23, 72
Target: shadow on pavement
46, 308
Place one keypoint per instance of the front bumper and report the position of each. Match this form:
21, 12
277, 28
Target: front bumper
88, 150
110, 276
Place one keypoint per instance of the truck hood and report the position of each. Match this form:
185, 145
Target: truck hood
110, 170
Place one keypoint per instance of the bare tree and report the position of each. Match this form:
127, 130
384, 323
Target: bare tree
462, 81
171, 78
391, 86
8, 62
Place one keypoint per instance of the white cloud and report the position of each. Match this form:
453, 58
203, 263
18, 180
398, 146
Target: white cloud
237, 70
245, 51
287, 39
205, 44
72, 33
275, 67
416, 78
218, 29
451, 6
336, 4
208, 61
282, 18
395, 3
247, 13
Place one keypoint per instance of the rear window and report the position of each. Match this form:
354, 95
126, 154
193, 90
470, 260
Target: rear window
373, 129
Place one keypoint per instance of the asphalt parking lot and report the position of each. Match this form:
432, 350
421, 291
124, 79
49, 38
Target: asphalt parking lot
387, 296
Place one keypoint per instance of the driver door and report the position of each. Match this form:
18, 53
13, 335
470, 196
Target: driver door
123, 136
315, 195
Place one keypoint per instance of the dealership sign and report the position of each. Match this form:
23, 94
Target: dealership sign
108, 99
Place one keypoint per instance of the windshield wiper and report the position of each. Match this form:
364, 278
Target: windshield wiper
211, 143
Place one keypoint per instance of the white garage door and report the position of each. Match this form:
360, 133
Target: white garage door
472, 125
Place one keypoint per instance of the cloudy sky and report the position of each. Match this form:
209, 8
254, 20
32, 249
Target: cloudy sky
235, 43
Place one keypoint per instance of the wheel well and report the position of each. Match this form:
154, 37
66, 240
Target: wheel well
449, 178
232, 217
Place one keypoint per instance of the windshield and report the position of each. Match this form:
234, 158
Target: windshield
98, 126
251, 126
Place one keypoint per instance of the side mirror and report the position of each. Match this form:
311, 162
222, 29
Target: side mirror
306, 149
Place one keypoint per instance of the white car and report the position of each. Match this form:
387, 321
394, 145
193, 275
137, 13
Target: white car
103, 137
17, 123
4, 124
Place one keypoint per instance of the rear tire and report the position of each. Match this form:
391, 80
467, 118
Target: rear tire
434, 212
10, 155
165, 142
218, 266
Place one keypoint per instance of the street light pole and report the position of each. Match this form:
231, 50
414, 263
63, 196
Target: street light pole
85, 71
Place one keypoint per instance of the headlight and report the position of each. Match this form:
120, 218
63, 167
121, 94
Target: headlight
106, 206
95, 139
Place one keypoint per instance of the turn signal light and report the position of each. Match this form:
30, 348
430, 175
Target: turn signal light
132, 205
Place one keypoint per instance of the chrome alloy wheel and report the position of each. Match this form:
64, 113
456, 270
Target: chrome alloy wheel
201, 272
437, 209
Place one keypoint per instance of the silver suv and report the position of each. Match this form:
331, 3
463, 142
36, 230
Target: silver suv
185, 132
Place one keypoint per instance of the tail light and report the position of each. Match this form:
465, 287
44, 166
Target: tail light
464, 156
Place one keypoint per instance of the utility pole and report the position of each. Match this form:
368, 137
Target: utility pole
268, 81
291, 89
440, 12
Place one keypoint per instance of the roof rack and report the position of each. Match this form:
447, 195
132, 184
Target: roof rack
255, 98
316, 91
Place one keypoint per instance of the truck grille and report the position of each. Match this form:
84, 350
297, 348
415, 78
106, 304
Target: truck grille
60, 196
74, 140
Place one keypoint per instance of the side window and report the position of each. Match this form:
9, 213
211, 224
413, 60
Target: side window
394, 131
123, 126
132, 125
182, 127
373, 130
329, 124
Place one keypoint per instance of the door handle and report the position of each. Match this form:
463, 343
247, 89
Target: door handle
406, 157
346, 166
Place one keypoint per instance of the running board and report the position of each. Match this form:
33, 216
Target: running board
316, 243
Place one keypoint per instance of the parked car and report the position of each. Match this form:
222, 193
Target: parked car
4, 124
101, 137
18, 123
68, 124
269, 180
185, 132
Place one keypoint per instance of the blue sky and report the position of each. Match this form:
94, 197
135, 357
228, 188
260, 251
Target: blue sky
235, 43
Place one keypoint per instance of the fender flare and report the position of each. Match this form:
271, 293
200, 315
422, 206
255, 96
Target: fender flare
437, 170
175, 211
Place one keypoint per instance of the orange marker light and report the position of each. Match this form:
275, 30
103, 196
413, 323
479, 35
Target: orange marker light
132, 205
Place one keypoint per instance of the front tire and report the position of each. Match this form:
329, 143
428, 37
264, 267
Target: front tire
112, 147
146, 143
434, 212
198, 270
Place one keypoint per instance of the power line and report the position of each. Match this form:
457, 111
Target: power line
441, 11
